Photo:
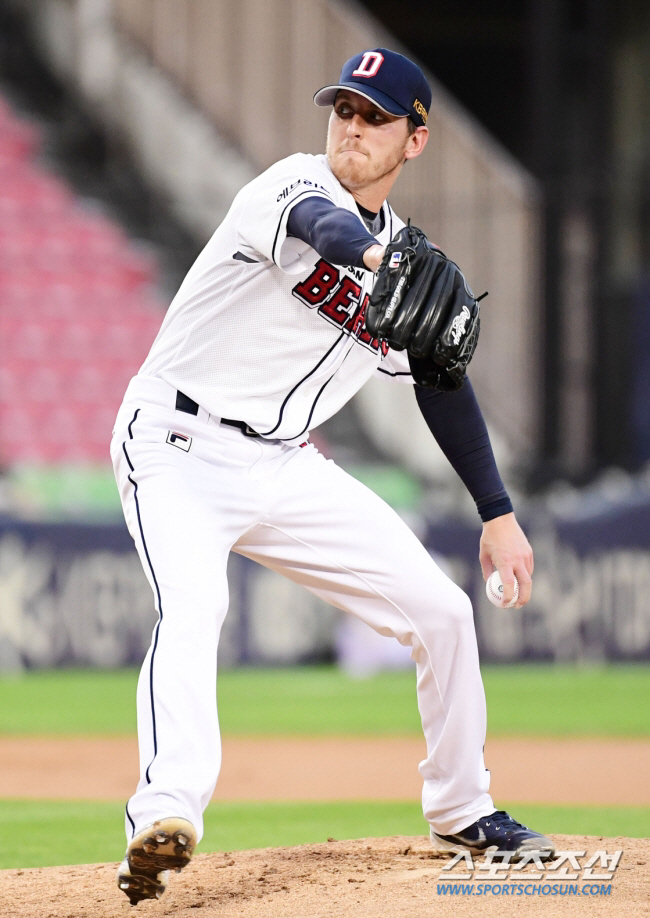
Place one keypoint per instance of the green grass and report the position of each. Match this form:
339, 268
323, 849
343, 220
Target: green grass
630, 821
89, 833
533, 700
318, 700
68, 701
568, 700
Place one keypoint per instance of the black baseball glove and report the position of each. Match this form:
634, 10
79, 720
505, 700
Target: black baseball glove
422, 302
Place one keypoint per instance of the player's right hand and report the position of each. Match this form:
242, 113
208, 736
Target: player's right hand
372, 257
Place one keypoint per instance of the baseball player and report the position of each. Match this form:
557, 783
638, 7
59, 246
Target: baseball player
265, 339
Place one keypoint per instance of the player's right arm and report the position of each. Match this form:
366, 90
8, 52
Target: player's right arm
336, 234
295, 213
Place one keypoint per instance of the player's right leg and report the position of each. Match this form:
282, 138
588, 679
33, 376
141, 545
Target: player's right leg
184, 560
184, 506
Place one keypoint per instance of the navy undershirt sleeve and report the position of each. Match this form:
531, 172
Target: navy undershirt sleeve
456, 421
335, 233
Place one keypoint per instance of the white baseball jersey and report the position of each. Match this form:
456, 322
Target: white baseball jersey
264, 330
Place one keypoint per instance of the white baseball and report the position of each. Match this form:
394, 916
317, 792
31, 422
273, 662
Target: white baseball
494, 590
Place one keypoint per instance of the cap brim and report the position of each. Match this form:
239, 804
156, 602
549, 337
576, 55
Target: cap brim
327, 96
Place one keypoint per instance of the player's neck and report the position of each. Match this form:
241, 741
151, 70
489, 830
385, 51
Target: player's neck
372, 203
373, 196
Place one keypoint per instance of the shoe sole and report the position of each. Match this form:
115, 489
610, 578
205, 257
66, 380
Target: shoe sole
139, 886
441, 846
166, 845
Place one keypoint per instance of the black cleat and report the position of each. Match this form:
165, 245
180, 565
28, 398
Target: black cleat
498, 831
145, 884
166, 845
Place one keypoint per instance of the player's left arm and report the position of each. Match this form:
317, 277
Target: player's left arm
456, 421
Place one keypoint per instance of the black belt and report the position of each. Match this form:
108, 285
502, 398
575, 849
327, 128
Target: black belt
189, 406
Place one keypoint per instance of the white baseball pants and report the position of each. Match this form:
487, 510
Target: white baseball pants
300, 514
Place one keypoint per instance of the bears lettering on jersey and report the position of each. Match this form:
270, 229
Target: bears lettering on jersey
338, 300
337, 307
318, 285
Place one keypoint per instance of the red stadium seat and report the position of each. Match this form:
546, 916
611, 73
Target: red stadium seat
78, 311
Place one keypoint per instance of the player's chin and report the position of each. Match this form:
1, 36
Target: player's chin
351, 171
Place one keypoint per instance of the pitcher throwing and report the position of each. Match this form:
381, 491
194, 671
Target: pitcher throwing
275, 327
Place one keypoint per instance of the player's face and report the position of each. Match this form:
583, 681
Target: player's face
365, 145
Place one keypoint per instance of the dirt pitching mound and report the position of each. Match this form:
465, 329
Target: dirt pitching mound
367, 878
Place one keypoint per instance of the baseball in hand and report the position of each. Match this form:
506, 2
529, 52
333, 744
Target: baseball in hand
494, 590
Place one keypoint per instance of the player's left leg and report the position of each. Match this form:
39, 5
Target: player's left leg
330, 533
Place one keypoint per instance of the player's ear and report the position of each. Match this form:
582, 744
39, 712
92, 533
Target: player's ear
416, 142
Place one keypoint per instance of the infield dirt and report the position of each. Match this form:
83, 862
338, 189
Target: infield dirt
368, 878
537, 770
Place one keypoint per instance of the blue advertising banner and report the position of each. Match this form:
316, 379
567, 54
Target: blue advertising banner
71, 593
75, 594
591, 587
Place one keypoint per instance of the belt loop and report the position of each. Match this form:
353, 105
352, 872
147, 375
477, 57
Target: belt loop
186, 404
240, 425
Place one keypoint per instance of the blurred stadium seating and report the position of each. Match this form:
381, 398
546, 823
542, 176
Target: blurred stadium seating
78, 311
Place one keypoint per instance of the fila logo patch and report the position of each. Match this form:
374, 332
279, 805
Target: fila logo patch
179, 440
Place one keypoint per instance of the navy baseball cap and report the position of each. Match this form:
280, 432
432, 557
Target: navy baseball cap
393, 82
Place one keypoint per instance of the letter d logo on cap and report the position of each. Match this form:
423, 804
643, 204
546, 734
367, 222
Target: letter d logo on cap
370, 64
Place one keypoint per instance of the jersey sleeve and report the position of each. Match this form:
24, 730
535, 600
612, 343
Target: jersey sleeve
262, 224
395, 365
334, 232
